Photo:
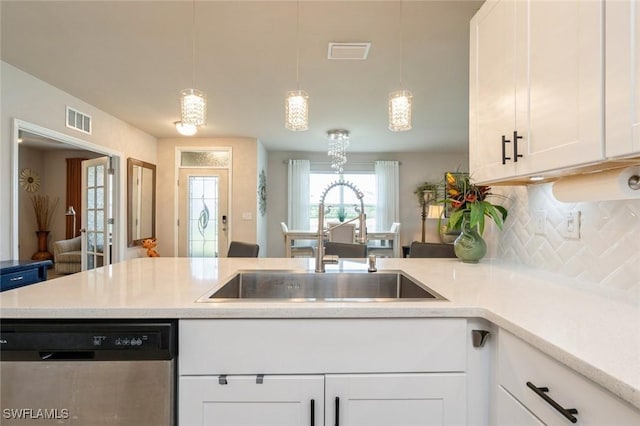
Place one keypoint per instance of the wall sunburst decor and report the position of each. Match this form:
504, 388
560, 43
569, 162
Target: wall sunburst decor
29, 180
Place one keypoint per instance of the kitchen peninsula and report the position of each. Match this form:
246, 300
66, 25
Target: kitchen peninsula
592, 331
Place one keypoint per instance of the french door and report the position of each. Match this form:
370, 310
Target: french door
203, 212
97, 210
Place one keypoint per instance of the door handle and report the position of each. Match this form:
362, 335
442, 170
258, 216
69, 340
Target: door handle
313, 412
515, 146
505, 141
337, 411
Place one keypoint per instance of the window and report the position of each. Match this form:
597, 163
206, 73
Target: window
340, 201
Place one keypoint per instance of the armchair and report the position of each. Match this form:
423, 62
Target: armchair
67, 255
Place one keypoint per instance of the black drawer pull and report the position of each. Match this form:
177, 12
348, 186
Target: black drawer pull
505, 141
542, 393
337, 411
313, 412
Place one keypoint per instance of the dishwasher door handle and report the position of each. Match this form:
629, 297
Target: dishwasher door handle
64, 355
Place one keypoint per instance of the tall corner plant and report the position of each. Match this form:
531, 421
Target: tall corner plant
466, 197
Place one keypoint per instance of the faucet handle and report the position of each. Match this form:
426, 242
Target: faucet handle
372, 263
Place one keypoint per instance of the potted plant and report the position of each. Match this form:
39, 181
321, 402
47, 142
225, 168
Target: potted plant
469, 208
44, 209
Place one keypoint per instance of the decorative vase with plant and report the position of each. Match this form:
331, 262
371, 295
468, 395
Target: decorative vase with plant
469, 208
44, 209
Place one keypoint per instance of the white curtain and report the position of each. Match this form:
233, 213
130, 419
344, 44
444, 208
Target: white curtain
298, 194
388, 184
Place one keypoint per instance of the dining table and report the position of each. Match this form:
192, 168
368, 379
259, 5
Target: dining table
292, 235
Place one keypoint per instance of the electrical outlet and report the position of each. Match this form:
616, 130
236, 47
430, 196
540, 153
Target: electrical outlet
540, 222
572, 226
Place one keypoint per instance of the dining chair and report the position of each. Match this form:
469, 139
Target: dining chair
431, 250
345, 250
386, 248
297, 250
346, 233
240, 249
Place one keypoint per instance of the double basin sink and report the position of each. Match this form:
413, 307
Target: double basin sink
330, 286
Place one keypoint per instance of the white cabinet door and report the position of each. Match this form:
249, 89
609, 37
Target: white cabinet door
622, 78
491, 90
564, 81
277, 401
536, 87
511, 412
396, 399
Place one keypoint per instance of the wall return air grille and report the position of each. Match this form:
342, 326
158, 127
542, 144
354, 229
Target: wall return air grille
78, 120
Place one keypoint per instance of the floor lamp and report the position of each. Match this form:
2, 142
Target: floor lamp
72, 212
428, 197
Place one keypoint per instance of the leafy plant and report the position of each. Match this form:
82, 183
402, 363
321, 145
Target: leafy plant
44, 209
425, 187
465, 196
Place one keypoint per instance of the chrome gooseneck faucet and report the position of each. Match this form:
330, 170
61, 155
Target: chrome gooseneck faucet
362, 235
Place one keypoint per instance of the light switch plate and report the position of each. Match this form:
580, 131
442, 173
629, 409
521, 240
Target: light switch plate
540, 222
572, 225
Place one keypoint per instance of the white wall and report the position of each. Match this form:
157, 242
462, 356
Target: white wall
415, 168
32, 100
262, 222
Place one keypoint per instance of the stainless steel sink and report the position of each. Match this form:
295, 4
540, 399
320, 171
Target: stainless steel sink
311, 286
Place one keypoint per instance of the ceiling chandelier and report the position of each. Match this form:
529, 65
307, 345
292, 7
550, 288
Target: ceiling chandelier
338, 143
296, 110
193, 102
400, 101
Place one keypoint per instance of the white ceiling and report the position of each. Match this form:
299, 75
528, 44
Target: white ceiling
131, 58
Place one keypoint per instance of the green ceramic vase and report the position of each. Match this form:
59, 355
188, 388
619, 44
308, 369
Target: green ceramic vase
469, 246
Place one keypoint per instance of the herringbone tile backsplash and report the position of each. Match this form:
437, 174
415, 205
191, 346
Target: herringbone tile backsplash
607, 253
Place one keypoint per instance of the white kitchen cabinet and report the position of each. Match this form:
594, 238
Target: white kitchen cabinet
395, 399
536, 98
622, 86
400, 371
512, 413
242, 401
521, 367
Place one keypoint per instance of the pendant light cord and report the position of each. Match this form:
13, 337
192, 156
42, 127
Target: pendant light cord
193, 44
298, 45
401, 45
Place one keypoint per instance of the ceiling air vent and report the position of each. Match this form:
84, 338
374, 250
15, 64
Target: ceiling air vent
345, 51
78, 120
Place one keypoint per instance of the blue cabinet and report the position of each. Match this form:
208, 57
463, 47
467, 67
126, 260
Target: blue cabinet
18, 273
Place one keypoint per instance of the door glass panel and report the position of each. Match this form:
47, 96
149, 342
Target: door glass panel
91, 198
202, 240
99, 198
91, 241
99, 220
91, 177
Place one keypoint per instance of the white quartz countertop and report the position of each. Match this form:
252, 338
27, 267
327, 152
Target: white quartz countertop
592, 330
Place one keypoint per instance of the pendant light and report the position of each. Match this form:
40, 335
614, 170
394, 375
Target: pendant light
338, 143
193, 102
400, 101
296, 109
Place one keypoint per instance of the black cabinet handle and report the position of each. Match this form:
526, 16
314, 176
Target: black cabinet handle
505, 141
542, 393
313, 412
337, 411
515, 146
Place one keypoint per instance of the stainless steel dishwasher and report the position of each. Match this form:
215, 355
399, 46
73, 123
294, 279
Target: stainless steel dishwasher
98, 372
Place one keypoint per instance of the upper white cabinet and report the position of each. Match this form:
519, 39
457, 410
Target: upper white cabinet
536, 91
622, 78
